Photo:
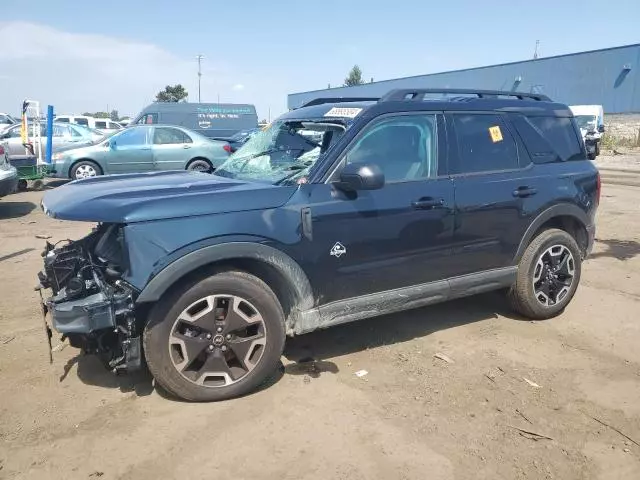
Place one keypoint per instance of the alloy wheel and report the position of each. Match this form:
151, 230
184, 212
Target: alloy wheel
553, 275
217, 340
86, 171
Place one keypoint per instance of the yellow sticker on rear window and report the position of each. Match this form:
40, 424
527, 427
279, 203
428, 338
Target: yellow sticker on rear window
496, 134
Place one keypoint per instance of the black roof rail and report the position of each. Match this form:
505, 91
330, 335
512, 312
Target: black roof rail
320, 101
419, 94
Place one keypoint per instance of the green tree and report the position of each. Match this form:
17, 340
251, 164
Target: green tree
175, 93
114, 115
101, 115
354, 77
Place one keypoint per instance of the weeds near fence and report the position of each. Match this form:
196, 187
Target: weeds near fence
609, 142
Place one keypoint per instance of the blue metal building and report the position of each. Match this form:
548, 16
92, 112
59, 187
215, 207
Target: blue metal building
609, 77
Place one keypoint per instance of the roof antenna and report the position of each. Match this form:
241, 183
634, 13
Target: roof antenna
535, 53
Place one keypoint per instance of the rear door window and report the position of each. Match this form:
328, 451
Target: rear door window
168, 135
82, 121
101, 124
62, 119
485, 144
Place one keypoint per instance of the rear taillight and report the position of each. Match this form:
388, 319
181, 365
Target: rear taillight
598, 188
1, 150
227, 148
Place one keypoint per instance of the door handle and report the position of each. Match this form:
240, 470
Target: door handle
428, 203
524, 192
186, 146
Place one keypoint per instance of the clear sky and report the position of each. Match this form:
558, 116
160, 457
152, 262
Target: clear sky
87, 55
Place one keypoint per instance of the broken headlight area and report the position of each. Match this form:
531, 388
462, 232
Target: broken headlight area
90, 303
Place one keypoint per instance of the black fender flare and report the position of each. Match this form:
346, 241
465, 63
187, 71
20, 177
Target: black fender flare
284, 264
560, 210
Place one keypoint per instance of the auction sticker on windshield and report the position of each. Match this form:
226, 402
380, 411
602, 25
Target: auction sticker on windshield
343, 112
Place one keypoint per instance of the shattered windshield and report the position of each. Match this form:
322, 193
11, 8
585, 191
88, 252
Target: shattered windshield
283, 152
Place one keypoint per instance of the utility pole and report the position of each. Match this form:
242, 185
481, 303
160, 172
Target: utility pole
199, 57
535, 53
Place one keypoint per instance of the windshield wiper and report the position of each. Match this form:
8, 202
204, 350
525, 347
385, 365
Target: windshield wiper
295, 170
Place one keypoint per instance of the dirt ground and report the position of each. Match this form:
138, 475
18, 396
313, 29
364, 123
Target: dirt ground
413, 416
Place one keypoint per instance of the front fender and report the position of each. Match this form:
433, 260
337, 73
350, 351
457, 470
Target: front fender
177, 269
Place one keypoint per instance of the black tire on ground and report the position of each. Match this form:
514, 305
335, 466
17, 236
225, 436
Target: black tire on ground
592, 156
200, 165
522, 296
22, 185
597, 149
165, 313
86, 167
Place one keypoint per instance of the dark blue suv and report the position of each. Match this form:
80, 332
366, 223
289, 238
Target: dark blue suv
340, 210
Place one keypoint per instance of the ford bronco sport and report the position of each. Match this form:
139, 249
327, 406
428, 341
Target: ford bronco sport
340, 210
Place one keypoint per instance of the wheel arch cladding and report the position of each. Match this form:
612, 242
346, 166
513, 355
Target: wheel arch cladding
565, 217
283, 275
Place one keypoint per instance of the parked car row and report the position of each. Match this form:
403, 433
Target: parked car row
63, 135
104, 125
141, 148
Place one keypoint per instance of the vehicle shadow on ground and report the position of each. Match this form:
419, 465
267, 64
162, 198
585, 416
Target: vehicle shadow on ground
50, 184
619, 249
91, 372
9, 209
309, 355
396, 328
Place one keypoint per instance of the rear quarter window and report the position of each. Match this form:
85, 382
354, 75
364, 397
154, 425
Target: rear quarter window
550, 138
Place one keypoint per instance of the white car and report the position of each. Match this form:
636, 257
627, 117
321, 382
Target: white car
103, 124
8, 174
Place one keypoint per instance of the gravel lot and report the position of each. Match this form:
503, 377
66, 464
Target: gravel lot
411, 414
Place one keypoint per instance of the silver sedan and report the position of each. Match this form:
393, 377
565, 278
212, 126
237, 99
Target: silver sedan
64, 135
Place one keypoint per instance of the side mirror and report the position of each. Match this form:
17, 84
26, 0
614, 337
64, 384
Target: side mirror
110, 144
601, 128
361, 176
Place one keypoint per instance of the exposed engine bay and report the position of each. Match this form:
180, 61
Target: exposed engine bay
91, 305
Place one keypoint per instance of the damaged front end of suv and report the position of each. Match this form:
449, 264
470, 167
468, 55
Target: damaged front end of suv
99, 292
91, 305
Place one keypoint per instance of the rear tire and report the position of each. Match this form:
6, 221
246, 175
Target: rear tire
200, 165
548, 275
216, 338
85, 169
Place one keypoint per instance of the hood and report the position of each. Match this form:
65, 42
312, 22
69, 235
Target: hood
160, 195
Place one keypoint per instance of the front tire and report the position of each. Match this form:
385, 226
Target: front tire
548, 275
217, 338
85, 169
